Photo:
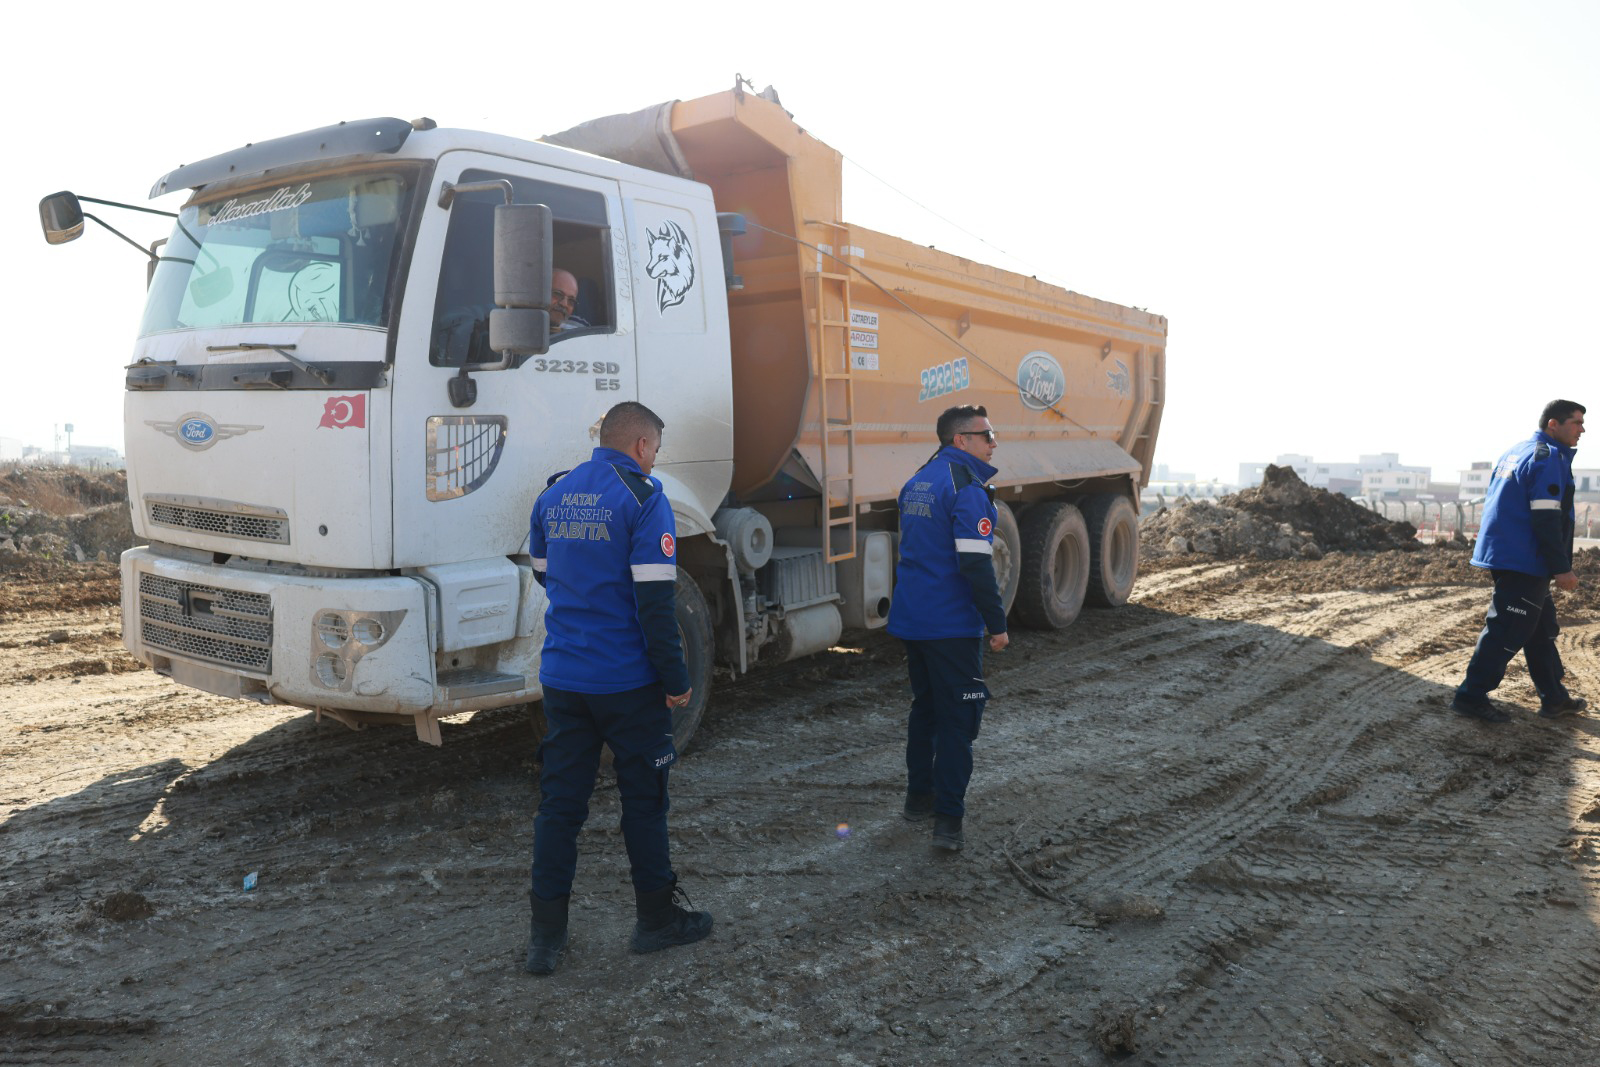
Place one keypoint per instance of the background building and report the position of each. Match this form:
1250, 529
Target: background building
1338, 477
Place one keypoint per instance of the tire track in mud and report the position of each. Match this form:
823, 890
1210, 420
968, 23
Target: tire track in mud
1367, 743
1268, 881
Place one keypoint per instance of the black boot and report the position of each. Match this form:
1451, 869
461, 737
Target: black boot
663, 924
947, 832
547, 939
919, 807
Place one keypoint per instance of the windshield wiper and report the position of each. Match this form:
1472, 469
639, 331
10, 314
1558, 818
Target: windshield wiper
286, 351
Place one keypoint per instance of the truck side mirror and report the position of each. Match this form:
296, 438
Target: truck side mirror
62, 217
523, 272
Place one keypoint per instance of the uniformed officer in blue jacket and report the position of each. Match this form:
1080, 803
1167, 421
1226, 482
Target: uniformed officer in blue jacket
1525, 539
945, 597
604, 546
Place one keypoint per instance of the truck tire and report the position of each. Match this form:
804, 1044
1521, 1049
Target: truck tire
694, 630
1055, 565
1113, 548
1007, 555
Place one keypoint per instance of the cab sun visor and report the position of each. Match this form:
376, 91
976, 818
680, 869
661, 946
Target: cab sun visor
360, 138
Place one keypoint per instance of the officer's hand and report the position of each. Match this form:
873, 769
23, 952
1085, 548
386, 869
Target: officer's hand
998, 641
1567, 582
681, 700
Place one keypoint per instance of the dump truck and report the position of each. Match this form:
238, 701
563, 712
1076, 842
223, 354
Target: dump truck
346, 392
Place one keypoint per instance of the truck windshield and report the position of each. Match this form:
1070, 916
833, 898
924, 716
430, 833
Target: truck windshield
315, 250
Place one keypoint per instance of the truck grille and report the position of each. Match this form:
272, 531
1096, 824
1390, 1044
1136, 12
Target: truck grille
220, 517
206, 623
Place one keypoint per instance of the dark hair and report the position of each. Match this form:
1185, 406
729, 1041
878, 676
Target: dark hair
1561, 411
626, 423
956, 419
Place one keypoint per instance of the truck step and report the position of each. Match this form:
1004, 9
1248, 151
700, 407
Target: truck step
468, 682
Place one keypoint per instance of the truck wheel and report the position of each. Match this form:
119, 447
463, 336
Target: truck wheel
1113, 548
1007, 555
1055, 565
694, 630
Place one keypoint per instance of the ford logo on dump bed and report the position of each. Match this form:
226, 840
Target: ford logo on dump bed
1040, 381
196, 431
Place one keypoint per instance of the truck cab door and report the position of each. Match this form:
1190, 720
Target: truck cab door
466, 478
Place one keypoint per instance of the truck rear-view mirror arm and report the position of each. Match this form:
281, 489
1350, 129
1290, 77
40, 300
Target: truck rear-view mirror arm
61, 216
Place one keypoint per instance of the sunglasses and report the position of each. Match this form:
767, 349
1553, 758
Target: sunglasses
987, 435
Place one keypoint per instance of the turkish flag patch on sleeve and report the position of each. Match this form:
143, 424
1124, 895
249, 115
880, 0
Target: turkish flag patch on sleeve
668, 545
985, 527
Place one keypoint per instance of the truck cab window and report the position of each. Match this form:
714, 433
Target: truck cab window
583, 301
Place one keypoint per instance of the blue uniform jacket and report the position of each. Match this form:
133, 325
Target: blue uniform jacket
603, 539
945, 584
1528, 516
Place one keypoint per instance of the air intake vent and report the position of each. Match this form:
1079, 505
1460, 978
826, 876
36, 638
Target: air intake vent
462, 451
222, 517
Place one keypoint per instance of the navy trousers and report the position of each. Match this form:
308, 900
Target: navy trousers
1521, 617
637, 724
947, 698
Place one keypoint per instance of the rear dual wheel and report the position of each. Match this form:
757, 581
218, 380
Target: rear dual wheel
1054, 576
1113, 548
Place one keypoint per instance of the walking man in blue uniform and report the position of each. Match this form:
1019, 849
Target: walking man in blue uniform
945, 597
1526, 541
604, 546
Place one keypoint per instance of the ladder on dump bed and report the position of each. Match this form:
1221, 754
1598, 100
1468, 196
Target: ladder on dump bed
836, 417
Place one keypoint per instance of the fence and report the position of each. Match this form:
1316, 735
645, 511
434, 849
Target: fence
1442, 518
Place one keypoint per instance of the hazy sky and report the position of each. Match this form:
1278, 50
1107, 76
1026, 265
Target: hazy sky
1372, 226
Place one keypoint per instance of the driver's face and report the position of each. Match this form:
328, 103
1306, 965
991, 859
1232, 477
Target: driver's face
563, 297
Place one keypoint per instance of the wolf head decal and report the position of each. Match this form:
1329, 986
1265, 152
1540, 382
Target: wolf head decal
671, 264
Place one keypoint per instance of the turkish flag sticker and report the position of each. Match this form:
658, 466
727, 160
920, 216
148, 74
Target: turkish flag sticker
668, 545
342, 411
985, 527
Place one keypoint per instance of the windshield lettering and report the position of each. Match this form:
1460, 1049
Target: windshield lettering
278, 201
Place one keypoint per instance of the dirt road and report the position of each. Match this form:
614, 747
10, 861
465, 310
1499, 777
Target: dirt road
1232, 823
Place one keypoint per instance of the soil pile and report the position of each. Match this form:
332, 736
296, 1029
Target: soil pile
62, 514
1283, 518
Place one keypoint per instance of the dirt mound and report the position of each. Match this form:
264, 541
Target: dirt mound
61, 490
62, 514
1283, 518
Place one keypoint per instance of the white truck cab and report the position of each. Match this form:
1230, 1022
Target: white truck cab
333, 521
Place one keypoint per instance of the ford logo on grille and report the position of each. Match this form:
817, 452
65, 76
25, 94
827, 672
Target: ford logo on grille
1040, 381
197, 431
